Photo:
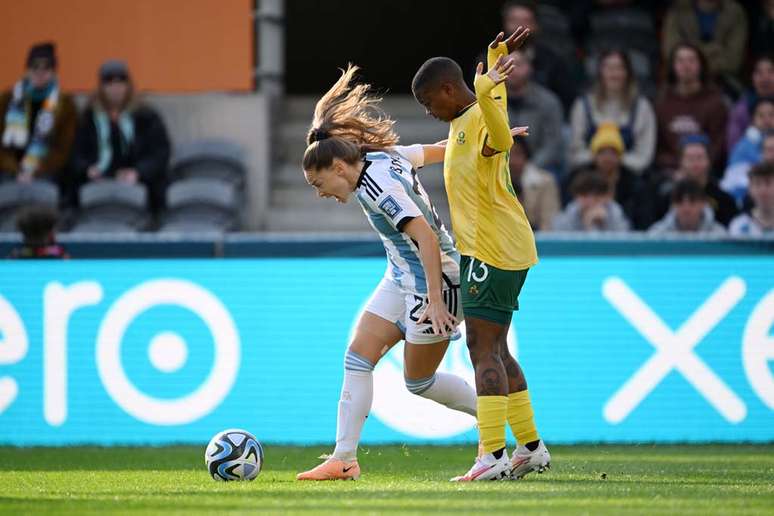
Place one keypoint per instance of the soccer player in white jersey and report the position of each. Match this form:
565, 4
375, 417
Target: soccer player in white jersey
352, 150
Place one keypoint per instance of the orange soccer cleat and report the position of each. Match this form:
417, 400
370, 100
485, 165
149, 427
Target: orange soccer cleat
332, 469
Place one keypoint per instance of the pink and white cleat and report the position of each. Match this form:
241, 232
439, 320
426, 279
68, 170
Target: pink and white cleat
525, 461
487, 467
332, 469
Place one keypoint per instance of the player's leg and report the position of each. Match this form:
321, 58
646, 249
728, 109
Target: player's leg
489, 296
424, 351
375, 334
373, 338
531, 453
483, 337
420, 371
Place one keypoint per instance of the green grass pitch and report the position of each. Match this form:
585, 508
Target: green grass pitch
396, 479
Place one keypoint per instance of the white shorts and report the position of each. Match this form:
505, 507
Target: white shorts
403, 309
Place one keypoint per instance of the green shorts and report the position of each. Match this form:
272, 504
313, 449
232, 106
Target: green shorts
489, 293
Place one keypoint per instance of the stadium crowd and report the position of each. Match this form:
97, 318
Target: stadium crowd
648, 116
670, 134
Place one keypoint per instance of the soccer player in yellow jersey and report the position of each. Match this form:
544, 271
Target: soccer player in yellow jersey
497, 248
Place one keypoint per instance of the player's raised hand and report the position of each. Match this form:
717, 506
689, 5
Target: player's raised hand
498, 73
517, 39
514, 41
498, 39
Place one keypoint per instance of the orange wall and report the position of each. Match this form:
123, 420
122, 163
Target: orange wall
170, 45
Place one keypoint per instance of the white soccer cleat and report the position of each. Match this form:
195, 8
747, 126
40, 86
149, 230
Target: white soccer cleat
525, 461
487, 467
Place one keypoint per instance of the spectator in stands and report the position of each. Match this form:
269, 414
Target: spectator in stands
614, 98
717, 27
532, 105
689, 213
121, 138
37, 121
548, 68
607, 151
37, 225
768, 148
592, 208
689, 105
748, 151
762, 40
536, 188
762, 86
695, 164
759, 221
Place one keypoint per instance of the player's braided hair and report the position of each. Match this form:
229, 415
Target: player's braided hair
347, 122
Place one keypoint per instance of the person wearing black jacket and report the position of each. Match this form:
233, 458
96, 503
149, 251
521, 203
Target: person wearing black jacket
121, 138
695, 165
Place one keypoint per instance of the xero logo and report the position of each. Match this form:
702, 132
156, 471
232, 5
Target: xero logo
167, 350
675, 350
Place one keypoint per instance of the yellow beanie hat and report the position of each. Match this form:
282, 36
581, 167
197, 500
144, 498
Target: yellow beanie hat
607, 136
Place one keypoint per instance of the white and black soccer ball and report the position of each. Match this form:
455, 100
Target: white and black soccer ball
234, 455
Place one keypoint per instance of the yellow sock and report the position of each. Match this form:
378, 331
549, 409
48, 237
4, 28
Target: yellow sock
492, 414
521, 418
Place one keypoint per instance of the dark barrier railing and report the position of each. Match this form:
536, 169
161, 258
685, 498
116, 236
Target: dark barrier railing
284, 245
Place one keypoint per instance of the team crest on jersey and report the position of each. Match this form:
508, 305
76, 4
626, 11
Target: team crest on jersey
390, 207
461, 138
473, 290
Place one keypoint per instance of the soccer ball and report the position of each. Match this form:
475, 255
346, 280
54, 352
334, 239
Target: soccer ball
234, 455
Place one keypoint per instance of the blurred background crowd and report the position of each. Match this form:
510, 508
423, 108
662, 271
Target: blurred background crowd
650, 116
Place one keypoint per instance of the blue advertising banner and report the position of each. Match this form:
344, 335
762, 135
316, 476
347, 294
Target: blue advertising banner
615, 349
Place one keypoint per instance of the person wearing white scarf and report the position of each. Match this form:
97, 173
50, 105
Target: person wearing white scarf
37, 121
121, 138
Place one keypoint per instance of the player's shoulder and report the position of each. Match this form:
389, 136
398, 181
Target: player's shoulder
471, 121
386, 165
375, 178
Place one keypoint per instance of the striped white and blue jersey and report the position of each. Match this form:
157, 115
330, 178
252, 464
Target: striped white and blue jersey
391, 195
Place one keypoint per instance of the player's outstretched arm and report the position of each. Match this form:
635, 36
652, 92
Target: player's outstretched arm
503, 47
436, 313
434, 152
495, 115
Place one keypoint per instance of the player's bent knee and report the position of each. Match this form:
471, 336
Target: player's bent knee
420, 385
356, 362
484, 357
505, 355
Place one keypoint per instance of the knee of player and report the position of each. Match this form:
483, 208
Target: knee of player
479, 355
356, 362
505, 355
419, 385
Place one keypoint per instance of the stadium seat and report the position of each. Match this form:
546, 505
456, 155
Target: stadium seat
15, 195
110, 206
201, 205
209, 159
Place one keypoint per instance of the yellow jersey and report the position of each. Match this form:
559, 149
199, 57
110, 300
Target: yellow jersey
488, 220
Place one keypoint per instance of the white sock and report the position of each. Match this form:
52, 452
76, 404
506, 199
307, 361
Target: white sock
447, 389
357, 392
